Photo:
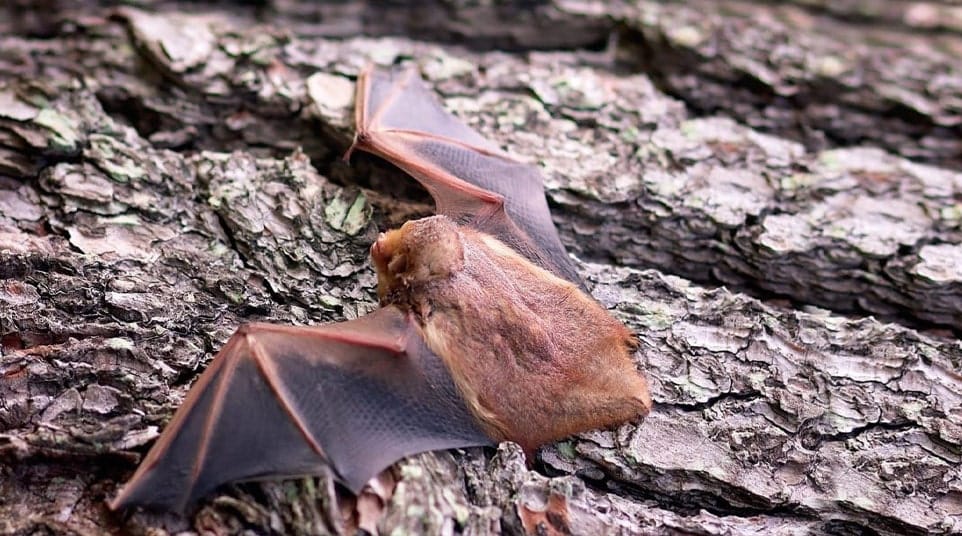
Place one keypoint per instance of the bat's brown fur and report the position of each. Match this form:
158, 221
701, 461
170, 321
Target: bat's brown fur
535, 358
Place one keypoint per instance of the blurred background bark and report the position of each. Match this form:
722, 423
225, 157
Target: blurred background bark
768, 193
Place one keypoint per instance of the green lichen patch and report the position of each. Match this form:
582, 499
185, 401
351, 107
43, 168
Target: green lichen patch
349, 214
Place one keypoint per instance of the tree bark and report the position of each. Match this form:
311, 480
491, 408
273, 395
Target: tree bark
170, 172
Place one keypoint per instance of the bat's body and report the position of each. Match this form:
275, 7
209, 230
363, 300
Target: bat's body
484, 335
534, 357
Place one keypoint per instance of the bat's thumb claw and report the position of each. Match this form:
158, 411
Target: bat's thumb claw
350, 150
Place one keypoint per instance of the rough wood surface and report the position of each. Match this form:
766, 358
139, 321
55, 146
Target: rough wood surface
169, 173
860, 76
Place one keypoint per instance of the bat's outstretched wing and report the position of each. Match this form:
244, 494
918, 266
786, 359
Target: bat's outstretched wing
472, 180
283, 401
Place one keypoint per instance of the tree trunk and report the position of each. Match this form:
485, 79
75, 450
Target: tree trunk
170, 172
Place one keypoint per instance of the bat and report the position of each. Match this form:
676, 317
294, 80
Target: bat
484, 335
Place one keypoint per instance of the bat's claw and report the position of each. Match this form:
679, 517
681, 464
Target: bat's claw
350, 150
360, 141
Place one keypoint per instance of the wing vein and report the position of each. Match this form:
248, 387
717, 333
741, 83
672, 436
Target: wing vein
328, 333
420, 135
269, 371
420, 168
215, 410
396, 89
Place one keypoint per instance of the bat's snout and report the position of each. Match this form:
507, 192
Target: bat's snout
387, 253
383, 249
377, 250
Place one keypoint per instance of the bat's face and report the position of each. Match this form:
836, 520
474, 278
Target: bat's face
420, 251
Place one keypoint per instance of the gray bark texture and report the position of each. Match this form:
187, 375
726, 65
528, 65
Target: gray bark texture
767, 193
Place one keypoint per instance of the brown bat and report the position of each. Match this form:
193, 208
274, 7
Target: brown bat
484, 335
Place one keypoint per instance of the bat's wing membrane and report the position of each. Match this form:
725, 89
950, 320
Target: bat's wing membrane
283, 401
472, 180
